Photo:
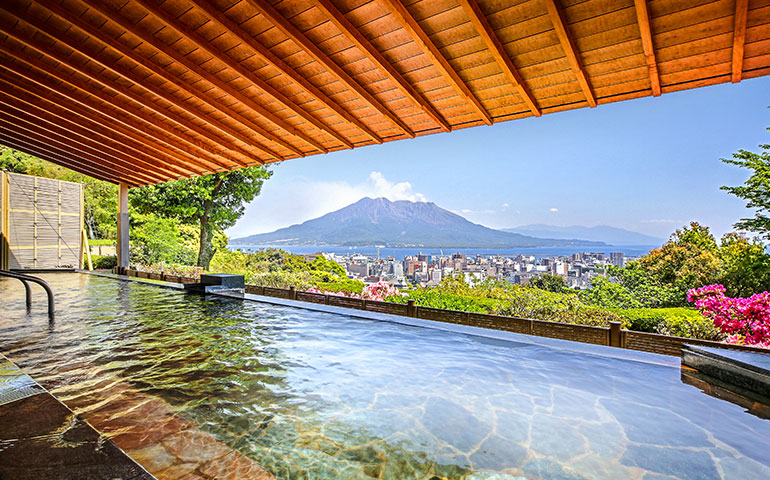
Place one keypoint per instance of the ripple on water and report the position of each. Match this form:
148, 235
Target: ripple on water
311, 395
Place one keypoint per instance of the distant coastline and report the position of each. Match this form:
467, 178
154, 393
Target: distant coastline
399, 253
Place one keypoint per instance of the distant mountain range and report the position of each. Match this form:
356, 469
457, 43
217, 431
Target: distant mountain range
601, 233
380, 222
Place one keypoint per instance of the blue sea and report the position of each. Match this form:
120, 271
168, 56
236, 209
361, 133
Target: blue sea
400, 253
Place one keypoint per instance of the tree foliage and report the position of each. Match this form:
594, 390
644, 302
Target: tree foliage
755, 190
550, 283
692, 258
212, 202
273, 267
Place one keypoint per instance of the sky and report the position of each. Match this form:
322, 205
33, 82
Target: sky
649, 165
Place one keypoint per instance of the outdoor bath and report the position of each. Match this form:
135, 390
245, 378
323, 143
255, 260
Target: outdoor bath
187, 384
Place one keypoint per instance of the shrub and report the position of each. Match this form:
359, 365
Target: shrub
104, 262
449, 301
690, 326
648, 319
744, 320
502, 298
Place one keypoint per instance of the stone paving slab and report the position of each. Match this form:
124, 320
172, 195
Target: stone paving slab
40, 438
169, 447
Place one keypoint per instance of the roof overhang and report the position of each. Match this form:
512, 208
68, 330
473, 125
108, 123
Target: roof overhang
143, 91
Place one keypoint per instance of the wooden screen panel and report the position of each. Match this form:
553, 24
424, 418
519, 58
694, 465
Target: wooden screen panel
45, 222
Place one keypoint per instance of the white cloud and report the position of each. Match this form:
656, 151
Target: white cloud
505, 205
281, 205
554, 210
382, 187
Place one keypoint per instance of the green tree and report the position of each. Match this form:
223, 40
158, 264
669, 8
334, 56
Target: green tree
549, 283
745, 266
689, 259
756, 190
212, 202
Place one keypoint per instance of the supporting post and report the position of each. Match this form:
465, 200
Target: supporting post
615, 334
122, 245
4, 223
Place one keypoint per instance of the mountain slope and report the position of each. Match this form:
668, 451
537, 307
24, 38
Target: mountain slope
379, 221
599, 233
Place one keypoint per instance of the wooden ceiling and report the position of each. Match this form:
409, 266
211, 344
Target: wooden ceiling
146, 91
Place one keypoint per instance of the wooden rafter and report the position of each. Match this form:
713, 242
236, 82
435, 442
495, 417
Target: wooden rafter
407, 21
206, 156
194, 37
263, 52
51, 154
739, 38
112, 86
374, 56
266, 9
570, 50
67, 147
145, 91
479, 21
75, 138
159, 92
80, 111
47, 111
645, 29
163, 73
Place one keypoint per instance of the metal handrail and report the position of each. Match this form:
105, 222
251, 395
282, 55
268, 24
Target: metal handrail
29, 278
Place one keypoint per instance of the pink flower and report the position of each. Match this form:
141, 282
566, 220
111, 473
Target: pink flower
745, 320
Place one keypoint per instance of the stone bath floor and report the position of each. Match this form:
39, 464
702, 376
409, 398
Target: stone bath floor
40, 438
168, 446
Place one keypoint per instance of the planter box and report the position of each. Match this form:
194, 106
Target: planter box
155, 276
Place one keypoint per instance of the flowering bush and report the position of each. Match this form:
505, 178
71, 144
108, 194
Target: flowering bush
744, 320
378, 291
172, 269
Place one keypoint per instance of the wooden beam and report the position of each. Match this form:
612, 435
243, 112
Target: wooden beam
365, 46
120, 90
142, 82
122, 113
44, 129
739, 38
67, 148
295, 35
260, 50
219, 18
402, 15
645, 29
479, 21
51, 113
84, 116
570, 50
51, 155
163, 73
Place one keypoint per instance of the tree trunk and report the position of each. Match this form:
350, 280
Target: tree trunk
206, 250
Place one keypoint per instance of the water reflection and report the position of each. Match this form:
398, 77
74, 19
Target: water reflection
312, 396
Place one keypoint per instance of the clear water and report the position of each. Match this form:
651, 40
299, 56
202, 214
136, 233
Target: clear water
311, 395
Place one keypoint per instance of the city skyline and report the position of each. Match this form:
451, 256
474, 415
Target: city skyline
649, 165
